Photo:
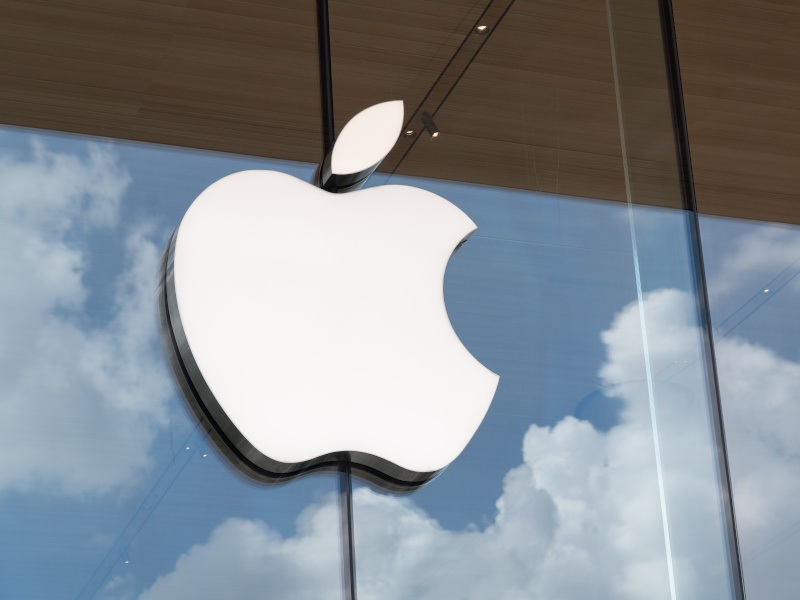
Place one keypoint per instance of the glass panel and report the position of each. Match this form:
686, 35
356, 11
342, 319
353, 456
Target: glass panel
754, 291
595, 473
564, 490
107, 487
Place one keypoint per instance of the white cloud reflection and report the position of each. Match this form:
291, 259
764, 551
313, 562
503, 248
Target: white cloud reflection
759, 388
74, 393
767, 249
579, 518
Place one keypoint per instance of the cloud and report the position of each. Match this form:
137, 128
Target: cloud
759, 397
245, 558
74, 393
760, 391
579, 517
119, 587
549, 539
767, 249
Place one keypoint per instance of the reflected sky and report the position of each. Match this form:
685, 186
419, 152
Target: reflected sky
114, 494
755, 293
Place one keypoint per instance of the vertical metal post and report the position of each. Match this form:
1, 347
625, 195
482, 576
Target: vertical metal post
328, 137
325, 78
348, 541
690, 204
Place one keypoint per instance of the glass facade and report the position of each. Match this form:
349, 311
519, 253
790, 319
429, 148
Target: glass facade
753, 286
599, 470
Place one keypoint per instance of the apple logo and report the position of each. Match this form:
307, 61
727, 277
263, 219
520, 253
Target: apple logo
309, 328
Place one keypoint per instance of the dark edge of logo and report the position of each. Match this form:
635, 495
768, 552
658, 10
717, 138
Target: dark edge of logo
225, 435
340, 183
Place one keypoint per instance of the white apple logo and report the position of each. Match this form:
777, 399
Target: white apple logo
310, 327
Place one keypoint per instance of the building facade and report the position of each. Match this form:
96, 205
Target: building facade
633, 281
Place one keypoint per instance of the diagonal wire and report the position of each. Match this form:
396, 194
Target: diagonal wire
142, 514
439, 82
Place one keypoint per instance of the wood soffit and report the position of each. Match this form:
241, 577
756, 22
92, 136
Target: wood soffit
530, 105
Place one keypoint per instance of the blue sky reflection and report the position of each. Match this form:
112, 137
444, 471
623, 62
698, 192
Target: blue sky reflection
113, 494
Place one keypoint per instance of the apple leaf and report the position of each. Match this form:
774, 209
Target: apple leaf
367, 138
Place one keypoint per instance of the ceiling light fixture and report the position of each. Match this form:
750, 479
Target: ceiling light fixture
427, 120
481, 29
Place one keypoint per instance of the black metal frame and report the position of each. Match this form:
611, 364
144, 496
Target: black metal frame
328, 138
684, 160
325, 76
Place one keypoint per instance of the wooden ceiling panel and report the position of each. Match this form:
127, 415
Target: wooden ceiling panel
223, 75
740, 65
535, 110
532, 108
386, 51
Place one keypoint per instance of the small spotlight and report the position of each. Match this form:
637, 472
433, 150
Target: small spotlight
409, 133
427, 120
766, 291
481, 29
